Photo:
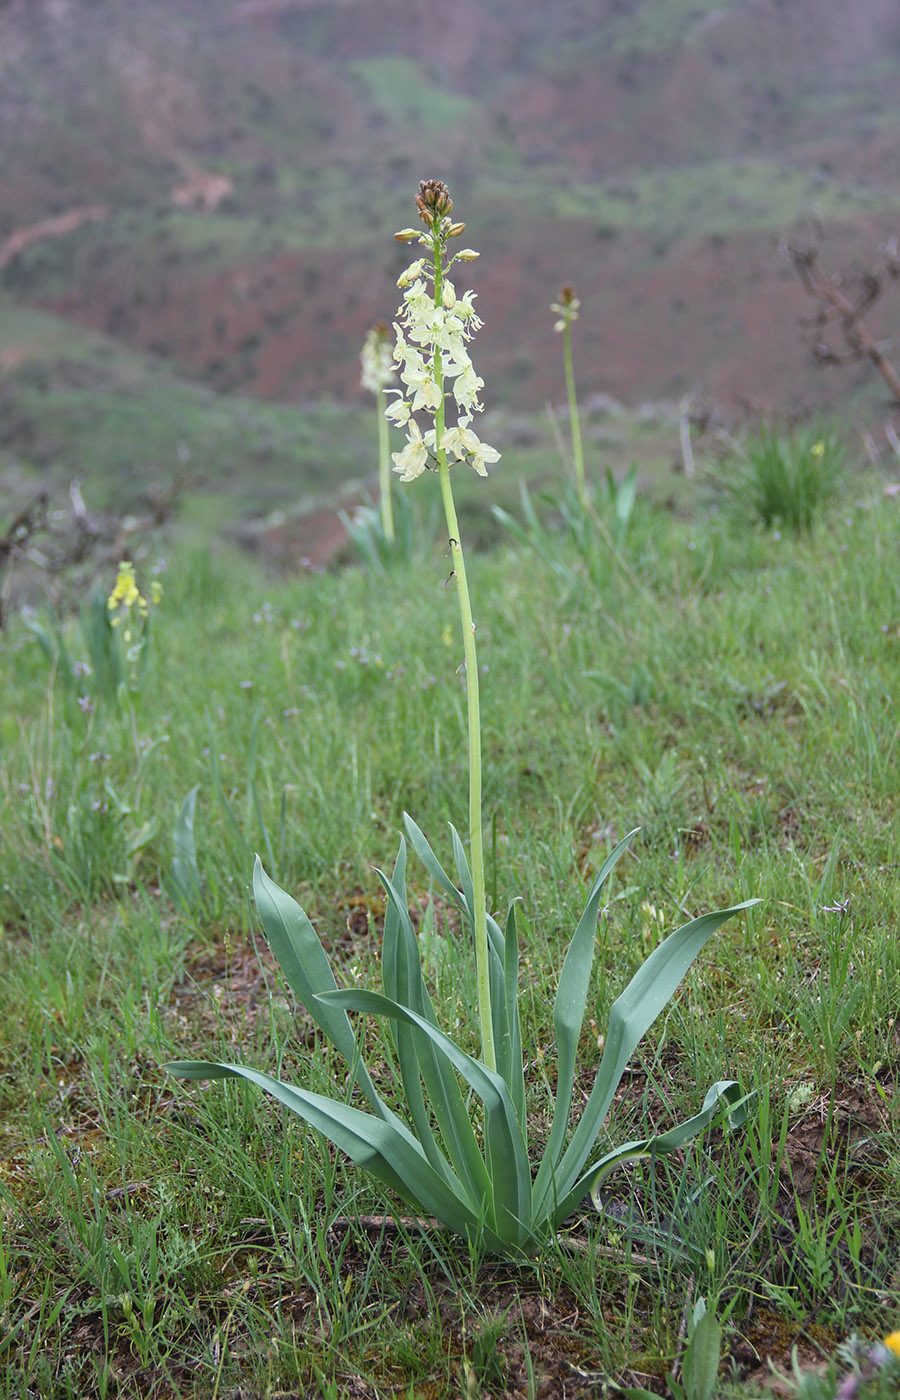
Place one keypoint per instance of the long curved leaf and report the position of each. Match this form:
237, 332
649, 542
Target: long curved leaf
401, 973
305, 965
417, 1055
430, 861
508, 1185
724, 1093
568, 1013
387, 1149
507, 1028
631, 1016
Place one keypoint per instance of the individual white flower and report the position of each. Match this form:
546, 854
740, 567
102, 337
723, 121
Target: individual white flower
463, 443
465, 308
412, 461
448, 295
418, 376
466, 389
460, 441
398, 412
482, 454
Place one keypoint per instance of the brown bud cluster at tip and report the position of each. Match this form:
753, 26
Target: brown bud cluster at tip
566, 308
433, 201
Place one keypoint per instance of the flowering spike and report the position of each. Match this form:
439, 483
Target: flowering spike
376, 360
566, 308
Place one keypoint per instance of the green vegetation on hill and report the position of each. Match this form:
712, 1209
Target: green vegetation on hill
77, 404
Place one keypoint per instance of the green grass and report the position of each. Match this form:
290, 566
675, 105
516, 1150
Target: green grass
76, 398
166, 1241
717, 197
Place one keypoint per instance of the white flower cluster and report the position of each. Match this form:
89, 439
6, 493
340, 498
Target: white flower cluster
423, 331
377, 361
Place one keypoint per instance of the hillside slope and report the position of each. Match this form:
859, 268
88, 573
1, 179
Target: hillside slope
219, 186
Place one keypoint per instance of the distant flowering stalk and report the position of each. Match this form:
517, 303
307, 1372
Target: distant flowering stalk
433, 328
567, 311
376, 359
125, 605
126, 598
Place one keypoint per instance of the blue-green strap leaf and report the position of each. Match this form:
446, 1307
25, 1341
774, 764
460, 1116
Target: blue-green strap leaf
430, 861
725, 1095
495, 937
507, 1179
463, 871
417, 1056
402, 981
387, 1149
307, 971
507, 1029
400, 965
630, 1017
568, 1013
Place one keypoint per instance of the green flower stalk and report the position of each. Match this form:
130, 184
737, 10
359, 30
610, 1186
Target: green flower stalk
433, 328
377, 375
567, 311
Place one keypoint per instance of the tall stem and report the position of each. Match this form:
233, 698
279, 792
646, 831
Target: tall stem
577, 453
473, 705
384, 470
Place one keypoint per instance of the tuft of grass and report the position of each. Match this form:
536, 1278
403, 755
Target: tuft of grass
784, 478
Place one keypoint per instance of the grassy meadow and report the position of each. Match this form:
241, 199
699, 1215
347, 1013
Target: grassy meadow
731, 690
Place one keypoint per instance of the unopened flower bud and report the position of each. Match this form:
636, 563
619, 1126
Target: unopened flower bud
455, 230
407, 278
468, 255
406, 235
433, 200
448, 295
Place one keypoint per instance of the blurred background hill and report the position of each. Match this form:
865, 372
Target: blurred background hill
198, 199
